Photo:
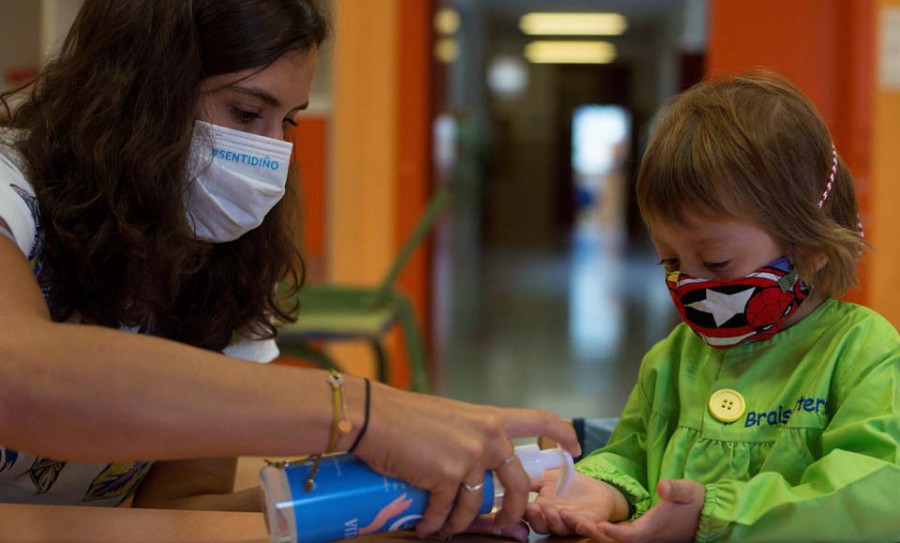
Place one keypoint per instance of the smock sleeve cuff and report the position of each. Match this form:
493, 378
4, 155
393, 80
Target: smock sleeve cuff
711, 526
636, 495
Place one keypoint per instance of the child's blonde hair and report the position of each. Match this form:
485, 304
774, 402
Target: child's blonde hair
755, 148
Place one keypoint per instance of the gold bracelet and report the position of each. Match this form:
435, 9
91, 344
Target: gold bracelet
340, 425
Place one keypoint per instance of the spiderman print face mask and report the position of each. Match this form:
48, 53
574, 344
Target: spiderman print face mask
735, 311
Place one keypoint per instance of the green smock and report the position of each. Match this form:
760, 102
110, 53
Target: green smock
816, 454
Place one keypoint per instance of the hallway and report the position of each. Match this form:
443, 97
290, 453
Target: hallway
563, 331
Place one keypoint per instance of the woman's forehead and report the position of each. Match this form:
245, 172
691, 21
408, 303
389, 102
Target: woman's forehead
287, 80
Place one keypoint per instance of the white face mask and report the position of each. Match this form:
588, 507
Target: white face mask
236, 178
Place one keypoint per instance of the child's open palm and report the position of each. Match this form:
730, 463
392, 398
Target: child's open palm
588, 499
674, 519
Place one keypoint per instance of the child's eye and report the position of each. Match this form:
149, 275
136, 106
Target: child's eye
289, 120
671, 264
716, 266
243, 116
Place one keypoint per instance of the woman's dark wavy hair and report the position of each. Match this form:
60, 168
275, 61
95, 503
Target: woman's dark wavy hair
105, 134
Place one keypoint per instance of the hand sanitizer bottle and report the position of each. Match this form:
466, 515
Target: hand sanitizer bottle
350, 500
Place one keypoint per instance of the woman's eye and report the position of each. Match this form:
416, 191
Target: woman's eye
245, 117
289, 120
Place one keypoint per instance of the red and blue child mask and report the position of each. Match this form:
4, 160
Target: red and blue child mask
735, 311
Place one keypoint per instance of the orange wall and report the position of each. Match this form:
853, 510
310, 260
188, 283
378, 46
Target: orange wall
886, 196
310, 156
826, 48
413, 151
361, 200
381, 154
795, 38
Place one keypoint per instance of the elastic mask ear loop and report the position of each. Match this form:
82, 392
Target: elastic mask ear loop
830, 184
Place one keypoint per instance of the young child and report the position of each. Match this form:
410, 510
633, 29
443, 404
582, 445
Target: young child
772, 413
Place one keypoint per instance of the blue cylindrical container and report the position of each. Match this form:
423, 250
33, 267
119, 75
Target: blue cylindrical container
349, 499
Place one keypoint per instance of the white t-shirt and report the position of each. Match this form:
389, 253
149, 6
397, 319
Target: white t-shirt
25, 478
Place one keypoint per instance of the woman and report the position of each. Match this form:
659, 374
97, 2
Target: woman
141, 185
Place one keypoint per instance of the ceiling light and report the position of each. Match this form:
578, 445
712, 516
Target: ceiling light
446, 21
573, 24
446, 50
570, 52
508, 76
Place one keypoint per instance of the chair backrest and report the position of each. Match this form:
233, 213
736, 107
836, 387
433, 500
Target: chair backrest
423, 227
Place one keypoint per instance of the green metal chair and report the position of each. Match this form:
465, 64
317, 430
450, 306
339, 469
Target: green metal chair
332, 312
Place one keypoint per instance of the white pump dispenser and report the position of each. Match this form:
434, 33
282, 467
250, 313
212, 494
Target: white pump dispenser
537, 461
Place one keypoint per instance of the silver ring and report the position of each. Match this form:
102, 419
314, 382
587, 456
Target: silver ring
473, 488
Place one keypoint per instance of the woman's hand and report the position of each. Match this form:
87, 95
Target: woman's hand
588, 500
673, 520
440, 444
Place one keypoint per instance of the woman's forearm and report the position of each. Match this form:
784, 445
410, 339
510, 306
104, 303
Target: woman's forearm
85, 393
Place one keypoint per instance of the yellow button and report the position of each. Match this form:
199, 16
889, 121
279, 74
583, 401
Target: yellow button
726, 405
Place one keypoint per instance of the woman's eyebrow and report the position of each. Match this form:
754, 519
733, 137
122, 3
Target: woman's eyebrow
298, 108
265, 97
258, 93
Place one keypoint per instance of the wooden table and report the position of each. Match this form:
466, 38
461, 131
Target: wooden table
65, 524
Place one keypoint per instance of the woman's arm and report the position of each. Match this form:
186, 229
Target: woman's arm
204, 484
86, 393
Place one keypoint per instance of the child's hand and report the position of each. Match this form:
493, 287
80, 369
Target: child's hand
674, 519
588, 499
